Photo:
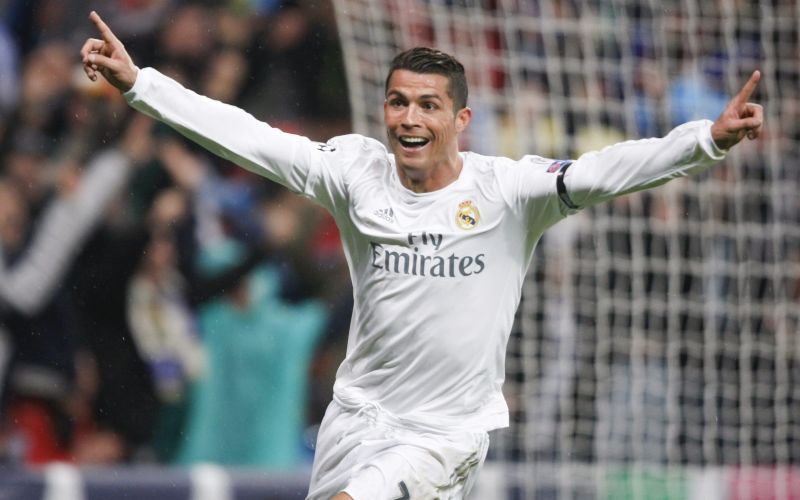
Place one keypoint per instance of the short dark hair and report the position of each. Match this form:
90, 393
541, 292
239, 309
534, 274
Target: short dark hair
427, 60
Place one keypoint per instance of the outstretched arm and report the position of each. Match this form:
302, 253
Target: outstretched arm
108, 57
292, 160
688, 149
740, 118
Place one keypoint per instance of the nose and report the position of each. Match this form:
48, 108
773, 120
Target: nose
411, 116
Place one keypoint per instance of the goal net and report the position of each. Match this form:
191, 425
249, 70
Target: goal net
656, 348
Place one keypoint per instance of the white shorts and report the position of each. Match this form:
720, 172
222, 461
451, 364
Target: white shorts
370, 455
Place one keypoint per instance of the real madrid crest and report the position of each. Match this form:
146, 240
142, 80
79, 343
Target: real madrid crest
467, 216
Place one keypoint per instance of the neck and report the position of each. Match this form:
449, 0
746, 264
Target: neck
424, 181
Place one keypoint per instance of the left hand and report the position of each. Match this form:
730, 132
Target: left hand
739, 118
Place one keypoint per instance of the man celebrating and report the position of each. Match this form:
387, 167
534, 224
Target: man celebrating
438, 242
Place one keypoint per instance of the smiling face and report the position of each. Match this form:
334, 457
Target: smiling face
423, 127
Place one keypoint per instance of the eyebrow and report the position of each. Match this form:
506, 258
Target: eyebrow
423, 96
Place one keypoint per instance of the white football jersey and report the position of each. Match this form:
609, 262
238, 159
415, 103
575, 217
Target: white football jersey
436, 276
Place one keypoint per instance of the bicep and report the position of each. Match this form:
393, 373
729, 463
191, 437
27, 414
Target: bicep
531, 187
226, 130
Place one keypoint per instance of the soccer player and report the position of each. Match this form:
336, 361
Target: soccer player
438, 242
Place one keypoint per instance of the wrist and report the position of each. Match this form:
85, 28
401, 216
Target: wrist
719, 138
130, 81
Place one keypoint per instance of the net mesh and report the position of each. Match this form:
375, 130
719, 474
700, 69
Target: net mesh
656, 341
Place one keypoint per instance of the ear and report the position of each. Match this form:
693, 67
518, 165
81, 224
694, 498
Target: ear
463, 118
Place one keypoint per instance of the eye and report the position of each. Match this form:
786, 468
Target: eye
430, 106
396, 103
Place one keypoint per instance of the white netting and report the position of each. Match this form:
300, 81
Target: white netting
657, 337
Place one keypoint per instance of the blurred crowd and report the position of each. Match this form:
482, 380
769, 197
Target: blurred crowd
158, 304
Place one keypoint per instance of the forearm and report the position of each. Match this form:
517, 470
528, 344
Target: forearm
223, 129
65, 224
636, 165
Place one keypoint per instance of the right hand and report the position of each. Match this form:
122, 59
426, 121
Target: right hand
108, 57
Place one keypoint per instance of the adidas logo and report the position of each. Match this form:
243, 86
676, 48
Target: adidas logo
386, 214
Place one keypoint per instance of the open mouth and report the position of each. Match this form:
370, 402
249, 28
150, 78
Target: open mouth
412, 142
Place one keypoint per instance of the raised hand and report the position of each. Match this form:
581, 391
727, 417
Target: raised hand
739, 118
108, 57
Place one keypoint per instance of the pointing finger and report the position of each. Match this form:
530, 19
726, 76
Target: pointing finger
744, 94
103, 28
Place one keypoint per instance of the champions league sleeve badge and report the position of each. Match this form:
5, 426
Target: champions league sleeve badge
558, 165
467, 215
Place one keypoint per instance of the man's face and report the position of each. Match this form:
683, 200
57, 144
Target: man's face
421, 123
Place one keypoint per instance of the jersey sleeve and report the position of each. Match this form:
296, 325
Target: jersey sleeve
544, 190
636, 165
530, 189
306, 167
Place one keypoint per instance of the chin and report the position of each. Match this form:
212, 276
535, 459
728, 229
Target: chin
411, 165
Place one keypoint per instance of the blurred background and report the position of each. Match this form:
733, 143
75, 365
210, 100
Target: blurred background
170, 324
160, 306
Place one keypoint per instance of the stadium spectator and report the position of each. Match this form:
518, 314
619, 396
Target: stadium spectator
56, 120
48, 360
162, 323
260, 337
